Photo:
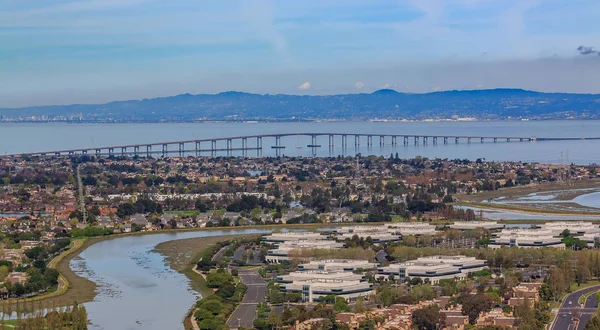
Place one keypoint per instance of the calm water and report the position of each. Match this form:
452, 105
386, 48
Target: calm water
589, 200
136, 289
20, 138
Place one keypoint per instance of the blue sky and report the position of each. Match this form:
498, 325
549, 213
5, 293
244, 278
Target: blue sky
91, 51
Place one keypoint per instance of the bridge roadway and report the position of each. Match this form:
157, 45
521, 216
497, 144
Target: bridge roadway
124, 149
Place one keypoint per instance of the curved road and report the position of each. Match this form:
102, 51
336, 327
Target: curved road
245, 313
564, 317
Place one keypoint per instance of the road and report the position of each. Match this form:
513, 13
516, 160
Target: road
257, 291
564, 317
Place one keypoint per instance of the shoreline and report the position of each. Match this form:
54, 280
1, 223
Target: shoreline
187, 267
526, 210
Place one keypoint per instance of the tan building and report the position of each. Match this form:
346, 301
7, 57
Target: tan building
496, 317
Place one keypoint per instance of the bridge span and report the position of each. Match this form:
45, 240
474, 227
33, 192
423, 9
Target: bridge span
227, 143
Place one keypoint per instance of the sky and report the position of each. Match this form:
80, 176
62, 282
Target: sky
96, 51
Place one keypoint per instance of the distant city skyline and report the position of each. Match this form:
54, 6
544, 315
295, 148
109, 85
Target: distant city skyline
94, 51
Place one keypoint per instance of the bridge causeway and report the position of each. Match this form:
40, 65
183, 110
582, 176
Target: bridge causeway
227, 143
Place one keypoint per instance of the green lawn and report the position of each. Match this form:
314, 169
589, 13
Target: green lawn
186, 213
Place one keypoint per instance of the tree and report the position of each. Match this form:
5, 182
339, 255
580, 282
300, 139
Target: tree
212, 306
215, 280
226, 290
593, 323
473, 304
428, 318
341, 305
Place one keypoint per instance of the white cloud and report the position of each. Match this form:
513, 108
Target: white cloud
360, 84
306, 85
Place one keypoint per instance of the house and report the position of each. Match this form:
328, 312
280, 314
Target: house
139, 220
166, 218
310, 324
17, 277
105, 221
231, 216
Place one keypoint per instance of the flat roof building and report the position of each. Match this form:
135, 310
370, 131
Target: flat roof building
316, 284
469, 225
576, 228
434, 268
282, 250
338, 265
292, 236
526, 238
414, 228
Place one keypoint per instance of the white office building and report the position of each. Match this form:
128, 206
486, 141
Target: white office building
526, 238
292, 236
316, 284
379, 234
338, 265
575, 228
470, 225
282, 250
414, 228
433, 269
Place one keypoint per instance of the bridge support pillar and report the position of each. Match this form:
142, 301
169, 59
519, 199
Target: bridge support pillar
84, 152
213, 145
381, 140
521, 140
165, 149
416, 140
369, 140
313, 140
259, 142
406, 140
456, 140
344, 141
136, 150
331, 141
445, 140
57, 154
435, 140
229, 144
123, 150
244, 143
507, 139
424, 140
181, 149
481, 140
357, 140
394, 140
110, 151
148, 150
197, 147
278, 141
98, 151
495, 140
469, 140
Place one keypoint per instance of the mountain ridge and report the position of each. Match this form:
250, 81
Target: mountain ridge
498, 103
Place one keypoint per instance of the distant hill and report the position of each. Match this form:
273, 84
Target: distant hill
385, 103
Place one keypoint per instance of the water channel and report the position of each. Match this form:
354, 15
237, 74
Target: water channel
136, 288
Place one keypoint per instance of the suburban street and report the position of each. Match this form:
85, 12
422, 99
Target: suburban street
564, 317
246, 311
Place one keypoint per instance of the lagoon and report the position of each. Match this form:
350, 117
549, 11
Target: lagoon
136, 288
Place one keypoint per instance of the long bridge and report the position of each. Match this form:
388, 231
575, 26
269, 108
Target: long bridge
227, 143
